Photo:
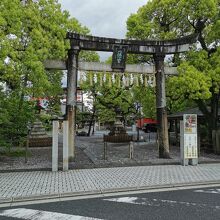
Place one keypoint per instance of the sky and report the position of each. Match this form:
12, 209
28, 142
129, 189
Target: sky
104, 18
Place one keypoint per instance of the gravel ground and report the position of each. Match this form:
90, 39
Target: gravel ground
40, 159
89, 154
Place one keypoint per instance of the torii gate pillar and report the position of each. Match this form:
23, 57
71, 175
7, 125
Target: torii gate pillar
71, 98
163, 140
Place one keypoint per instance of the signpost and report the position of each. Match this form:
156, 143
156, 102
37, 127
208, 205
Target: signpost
188, 142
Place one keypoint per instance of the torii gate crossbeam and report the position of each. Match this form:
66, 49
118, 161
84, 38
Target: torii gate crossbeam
103, 67
85, 42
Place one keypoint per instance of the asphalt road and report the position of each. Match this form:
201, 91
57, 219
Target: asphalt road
195, 204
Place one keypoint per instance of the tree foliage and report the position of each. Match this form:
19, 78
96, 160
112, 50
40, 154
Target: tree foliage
198, 69
31, 32
119, 95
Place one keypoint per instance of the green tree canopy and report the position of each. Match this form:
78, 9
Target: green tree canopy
119, 94
31, 32
198, 78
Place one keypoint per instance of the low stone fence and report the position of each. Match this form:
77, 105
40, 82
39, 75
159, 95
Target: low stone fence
119, 139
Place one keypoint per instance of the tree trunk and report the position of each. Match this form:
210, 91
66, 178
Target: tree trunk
91, 121
210, 116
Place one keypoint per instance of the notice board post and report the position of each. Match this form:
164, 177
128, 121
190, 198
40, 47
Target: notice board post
188, 140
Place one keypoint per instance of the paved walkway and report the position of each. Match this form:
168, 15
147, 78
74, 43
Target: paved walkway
18, 186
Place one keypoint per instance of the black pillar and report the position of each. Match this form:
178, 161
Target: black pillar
163, 140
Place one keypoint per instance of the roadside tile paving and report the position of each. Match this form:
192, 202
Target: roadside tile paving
17, 186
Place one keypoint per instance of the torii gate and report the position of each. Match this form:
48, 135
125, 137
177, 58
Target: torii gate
156, 48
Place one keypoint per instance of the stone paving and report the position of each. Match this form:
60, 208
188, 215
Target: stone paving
17, 186
124, 174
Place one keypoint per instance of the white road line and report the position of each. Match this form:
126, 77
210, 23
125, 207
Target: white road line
158, 202
31, 214
214, 191
133, 200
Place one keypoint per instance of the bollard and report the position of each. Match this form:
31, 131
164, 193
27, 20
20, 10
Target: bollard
217, 146
131, 150
105, 151
65, 146
55, 146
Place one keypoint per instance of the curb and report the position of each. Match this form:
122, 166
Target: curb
107, 166
58, 196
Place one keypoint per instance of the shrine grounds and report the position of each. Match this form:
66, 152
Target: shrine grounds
89, 153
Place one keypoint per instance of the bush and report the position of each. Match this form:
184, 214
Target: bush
46, 120
14, 152
15, 115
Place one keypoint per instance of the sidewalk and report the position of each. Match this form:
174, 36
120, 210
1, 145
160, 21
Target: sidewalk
20, 186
